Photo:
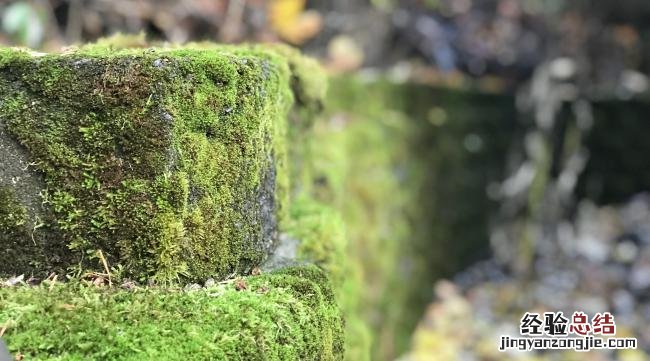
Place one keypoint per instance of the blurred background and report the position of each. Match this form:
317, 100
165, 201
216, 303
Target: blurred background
494, 41
549, 99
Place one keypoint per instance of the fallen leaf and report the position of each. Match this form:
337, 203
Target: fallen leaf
98, 281
240, 284
292, 22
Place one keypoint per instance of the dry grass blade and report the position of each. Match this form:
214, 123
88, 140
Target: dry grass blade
105, 263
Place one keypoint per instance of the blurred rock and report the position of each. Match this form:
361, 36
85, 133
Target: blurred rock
609, 272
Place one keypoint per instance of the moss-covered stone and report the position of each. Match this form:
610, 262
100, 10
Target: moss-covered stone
408, 167
285, 315
323, 241
171, 162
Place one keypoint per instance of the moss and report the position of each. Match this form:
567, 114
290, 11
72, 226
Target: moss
308, 81
170, 161
310, 84
392, 159
323, 242
286, 315
173, 163
322, 236
354, 159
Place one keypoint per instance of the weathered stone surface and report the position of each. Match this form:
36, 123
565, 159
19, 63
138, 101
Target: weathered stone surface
172, 163
169, 162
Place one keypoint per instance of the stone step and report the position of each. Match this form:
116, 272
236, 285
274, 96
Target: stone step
162, 163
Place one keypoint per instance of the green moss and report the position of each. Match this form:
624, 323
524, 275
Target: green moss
353, 160
286, 315
309, 82
392, 159
323, 242
172, 162
322, 236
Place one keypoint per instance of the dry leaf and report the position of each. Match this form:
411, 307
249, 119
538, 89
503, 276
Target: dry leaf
292, 23
240, 284
98, 281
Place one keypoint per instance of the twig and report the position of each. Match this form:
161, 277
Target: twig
229, 279
108, 272
38, 224
53, 281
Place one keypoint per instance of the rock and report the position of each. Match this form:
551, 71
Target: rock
285, 254
4, 354
192, 287
14, 281
171, 162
